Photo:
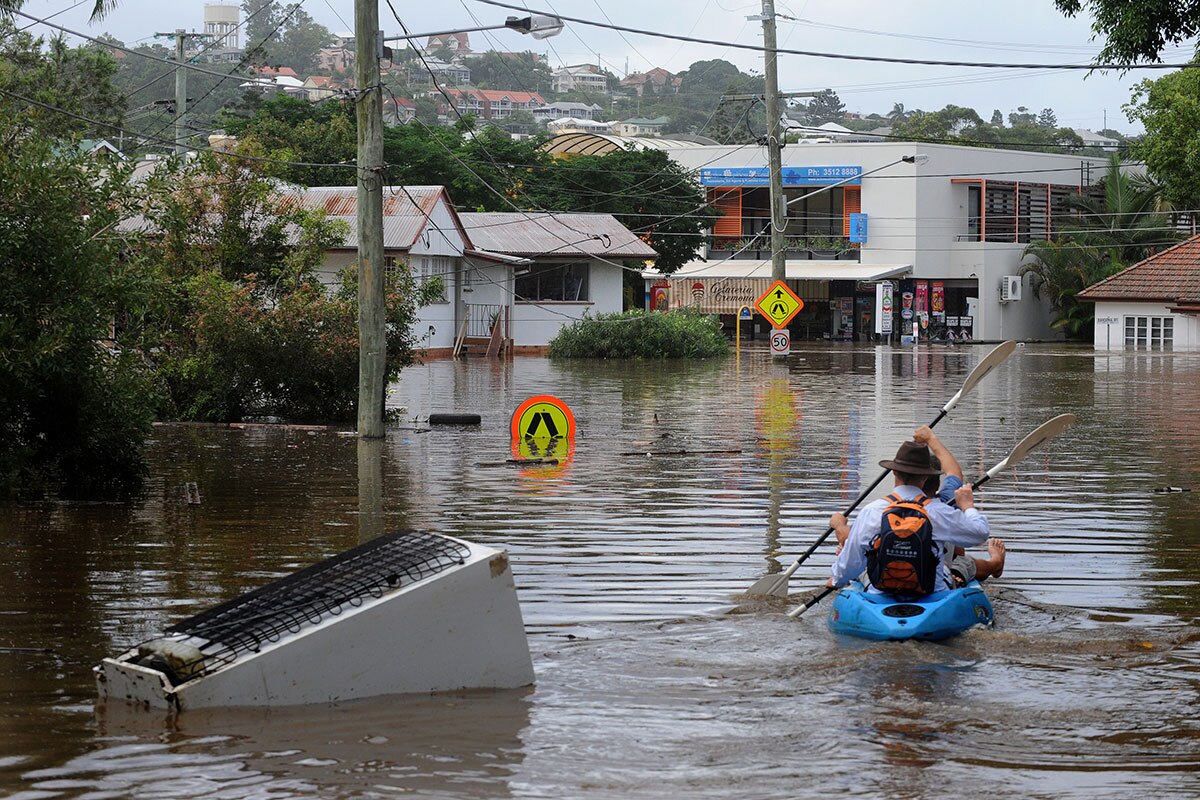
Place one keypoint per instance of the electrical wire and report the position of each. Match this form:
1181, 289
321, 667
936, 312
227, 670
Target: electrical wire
839, 56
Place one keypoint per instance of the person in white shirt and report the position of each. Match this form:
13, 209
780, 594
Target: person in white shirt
963, 526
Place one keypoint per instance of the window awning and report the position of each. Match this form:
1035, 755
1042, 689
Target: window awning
794, 270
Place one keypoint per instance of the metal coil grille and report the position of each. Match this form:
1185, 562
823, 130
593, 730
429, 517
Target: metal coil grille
284, 607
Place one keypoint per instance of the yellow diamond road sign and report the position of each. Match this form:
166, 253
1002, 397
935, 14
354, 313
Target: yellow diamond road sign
779, 304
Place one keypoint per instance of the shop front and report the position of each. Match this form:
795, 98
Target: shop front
838, 297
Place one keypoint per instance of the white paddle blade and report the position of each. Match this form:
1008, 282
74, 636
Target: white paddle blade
989, 362
1047, 431
773, 585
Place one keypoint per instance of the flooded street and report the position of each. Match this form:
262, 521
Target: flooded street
688, 482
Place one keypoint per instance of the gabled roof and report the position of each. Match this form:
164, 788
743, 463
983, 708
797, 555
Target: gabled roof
1172, 276
496, 95
406, 210
286, 72
553, 235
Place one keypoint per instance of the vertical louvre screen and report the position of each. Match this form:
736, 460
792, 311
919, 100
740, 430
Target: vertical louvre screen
851, 204
729, 203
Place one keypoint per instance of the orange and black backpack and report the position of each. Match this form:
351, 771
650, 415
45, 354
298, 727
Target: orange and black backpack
903, 558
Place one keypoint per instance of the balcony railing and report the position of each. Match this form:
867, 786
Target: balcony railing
812, 249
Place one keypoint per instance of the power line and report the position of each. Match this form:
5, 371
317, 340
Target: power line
839, 56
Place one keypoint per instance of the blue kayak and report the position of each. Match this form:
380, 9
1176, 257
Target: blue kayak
883, 617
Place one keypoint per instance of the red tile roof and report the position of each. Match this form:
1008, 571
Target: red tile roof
276, 71
1170, 276
494, 95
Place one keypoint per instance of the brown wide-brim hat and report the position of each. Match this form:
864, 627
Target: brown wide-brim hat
913, 458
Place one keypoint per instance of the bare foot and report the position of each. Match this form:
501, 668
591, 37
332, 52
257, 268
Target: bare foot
996, 554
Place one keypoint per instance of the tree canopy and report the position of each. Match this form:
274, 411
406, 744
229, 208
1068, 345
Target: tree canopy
1169, 108
1137, 30
1097, 236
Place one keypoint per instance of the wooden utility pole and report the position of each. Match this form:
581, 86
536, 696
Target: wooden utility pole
774, 140
372, 344
181, 36
180, 91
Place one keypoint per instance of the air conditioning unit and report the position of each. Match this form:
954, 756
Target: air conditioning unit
1010, 288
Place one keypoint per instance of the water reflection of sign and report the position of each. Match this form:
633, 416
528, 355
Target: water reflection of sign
779, 304
543, 427
660, 296
937, 299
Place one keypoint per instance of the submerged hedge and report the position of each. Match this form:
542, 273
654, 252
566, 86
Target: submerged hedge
642, 334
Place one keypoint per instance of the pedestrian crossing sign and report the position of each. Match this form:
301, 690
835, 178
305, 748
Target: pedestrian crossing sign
543, 427
779, 304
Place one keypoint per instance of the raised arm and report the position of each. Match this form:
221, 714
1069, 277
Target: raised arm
925, 435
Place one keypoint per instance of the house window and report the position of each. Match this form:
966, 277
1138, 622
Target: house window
435, 267
565, 282
1153, 332
392, 267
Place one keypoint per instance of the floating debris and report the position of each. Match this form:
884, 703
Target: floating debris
409, 612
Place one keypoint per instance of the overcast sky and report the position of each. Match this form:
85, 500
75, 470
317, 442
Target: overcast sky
1023, 31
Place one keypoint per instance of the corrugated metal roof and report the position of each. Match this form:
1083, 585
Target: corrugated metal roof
1171, 276
405, 209
598, 144
541, 233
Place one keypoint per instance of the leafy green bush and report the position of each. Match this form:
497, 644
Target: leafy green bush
642, 334
241, 325
75, 408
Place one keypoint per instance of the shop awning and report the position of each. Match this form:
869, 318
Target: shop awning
795, 270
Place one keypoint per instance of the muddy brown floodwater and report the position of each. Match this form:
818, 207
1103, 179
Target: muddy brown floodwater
627, 565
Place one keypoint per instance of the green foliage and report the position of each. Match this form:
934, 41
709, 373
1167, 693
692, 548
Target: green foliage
75, 406
520, 71
826, 106
1097, 237
644, 189
241, 325
75, 79
1026, 130
642, 334
1169, 108
1137, 30
283, 35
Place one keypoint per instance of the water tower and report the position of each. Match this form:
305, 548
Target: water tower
221, 23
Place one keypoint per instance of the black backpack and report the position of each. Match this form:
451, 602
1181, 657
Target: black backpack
903, 558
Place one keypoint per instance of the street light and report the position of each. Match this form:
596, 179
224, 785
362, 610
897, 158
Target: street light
539, 26
919, 158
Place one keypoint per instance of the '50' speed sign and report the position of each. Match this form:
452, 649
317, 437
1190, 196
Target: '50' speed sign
781, 342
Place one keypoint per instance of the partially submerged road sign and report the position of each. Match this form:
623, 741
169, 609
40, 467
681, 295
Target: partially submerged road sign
779, 304
543, 427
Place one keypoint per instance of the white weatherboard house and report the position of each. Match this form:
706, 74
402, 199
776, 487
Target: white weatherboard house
1155, 304
948, 231
533, 271
542, 271
420, 228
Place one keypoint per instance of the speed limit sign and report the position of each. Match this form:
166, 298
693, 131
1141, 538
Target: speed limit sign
781, 342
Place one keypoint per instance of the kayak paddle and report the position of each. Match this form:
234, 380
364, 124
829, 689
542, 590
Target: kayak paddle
777, 585
1044, 433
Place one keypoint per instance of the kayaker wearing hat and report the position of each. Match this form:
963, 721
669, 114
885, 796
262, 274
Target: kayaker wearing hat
951, 527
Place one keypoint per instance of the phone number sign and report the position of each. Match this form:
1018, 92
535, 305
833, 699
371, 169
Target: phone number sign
792, 176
